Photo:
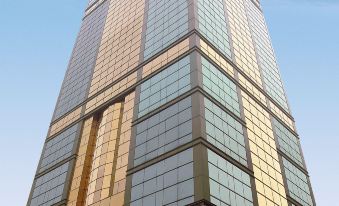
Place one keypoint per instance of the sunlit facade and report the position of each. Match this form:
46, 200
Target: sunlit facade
172, 102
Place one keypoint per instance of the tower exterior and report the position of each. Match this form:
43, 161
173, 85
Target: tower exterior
172, 102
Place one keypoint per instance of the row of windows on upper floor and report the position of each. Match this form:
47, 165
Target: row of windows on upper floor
160, 33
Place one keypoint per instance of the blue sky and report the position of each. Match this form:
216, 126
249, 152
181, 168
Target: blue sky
36, 39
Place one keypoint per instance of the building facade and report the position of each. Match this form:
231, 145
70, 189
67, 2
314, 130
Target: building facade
172, 102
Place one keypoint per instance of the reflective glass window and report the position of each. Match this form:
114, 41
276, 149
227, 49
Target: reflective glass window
165, 86
288, 142
265, 54
212, 24
224, 132
167, 21
58, 148
48, 189
220, 87
169, 182
228, 184
79, 71
297, 183
164, 131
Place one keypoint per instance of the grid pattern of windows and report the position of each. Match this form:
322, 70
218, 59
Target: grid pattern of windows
169, 182
90, 2
228, 184
165, 86
297, 183
267, 172
83, 163
104, 154
251, 88
212, 24
219, 60
167, 21
266, 57
119, 51
49, 188
224, 132
165, 58
65, 121
288, 142
244, 52
58, 148
164, 131
121, 162
220, 87
282, 116
79, 72
111, 92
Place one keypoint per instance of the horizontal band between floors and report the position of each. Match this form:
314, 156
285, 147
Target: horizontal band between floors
120, 97
189, 34
191, 144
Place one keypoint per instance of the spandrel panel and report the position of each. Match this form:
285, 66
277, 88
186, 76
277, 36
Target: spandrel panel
228, 184
78, 76
168, 182
167, 21
58, 148
164, 131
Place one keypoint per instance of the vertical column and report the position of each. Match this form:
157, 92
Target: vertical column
119, 188
268, 178
101, 176
83, 163
200, 170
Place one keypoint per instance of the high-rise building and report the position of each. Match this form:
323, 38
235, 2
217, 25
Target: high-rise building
172, 102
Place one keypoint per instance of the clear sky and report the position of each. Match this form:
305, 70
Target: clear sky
36, 39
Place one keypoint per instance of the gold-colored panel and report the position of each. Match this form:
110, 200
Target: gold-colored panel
82, 165
121, 42
65, 121
164, 58
267, 172
244, 52
282, 116
104, 155
209, 51
251, 88
100, 172
119, 184
109, 93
